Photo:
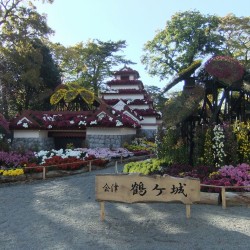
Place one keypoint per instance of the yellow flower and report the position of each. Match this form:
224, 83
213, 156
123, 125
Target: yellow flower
181, 174
213, 174
13, 172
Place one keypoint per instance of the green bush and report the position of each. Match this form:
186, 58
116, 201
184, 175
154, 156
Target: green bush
171, 148
144, 167
139, 144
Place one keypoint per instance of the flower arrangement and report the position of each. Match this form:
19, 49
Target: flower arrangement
230, 176
225, 176
68, 94
44, 155
218, 145
14, 159
106, 153
12, 172
70, 163
226, 69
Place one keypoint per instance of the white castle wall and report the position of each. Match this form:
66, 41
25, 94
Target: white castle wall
143, 106
148, 119
30, 133
123, 96
124, 86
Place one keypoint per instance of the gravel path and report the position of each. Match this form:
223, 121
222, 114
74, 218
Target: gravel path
62, 214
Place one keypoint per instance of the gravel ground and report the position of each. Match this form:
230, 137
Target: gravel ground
62, 214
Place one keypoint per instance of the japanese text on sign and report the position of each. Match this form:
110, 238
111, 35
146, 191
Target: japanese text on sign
136, 188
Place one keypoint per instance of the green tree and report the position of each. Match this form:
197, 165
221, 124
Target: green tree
90, 63
187, 36
28, 77
23, 57
236, 33
17, 15
21, 70
157, 96
50, 76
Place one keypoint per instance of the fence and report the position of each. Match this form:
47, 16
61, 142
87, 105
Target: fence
138, 158
89, 164
223, 191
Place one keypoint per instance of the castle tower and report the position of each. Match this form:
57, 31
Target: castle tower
127, 91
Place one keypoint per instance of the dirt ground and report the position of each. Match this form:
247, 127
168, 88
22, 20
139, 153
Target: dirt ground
62, 213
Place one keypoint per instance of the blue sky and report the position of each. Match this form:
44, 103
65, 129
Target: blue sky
135, 21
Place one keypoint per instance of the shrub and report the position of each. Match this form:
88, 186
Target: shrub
140, 144
171, 147
144, 167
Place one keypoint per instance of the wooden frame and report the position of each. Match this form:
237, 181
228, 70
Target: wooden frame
135, 188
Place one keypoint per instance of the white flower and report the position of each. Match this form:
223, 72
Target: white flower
50, 126
25, 125
82, 123
93, 122
71, 122
118, 123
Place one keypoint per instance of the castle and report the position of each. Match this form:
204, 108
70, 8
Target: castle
119, 114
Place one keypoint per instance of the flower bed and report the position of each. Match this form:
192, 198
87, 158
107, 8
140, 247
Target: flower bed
15, 164
225, 176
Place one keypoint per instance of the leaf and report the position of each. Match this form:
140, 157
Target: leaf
57, 96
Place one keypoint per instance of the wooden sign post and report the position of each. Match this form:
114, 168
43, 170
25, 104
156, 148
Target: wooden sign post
133, 188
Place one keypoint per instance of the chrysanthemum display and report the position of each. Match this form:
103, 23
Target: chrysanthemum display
218, 145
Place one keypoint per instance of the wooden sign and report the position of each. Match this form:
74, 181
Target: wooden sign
132, 188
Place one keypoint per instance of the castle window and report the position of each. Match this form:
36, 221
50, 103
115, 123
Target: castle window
124, 77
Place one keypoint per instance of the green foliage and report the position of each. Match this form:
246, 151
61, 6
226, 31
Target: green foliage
4, 144
234, 142
232, 157
171, 148
208, 148
177, 109
139, 144
70, 146
190, 35
242, 133
90, 63
144, 167
214, 146
187, 36
199, 145
27, 72
190, 69
236, 31
157, 96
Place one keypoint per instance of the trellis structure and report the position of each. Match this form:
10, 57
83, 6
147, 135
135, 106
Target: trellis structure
220, 94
